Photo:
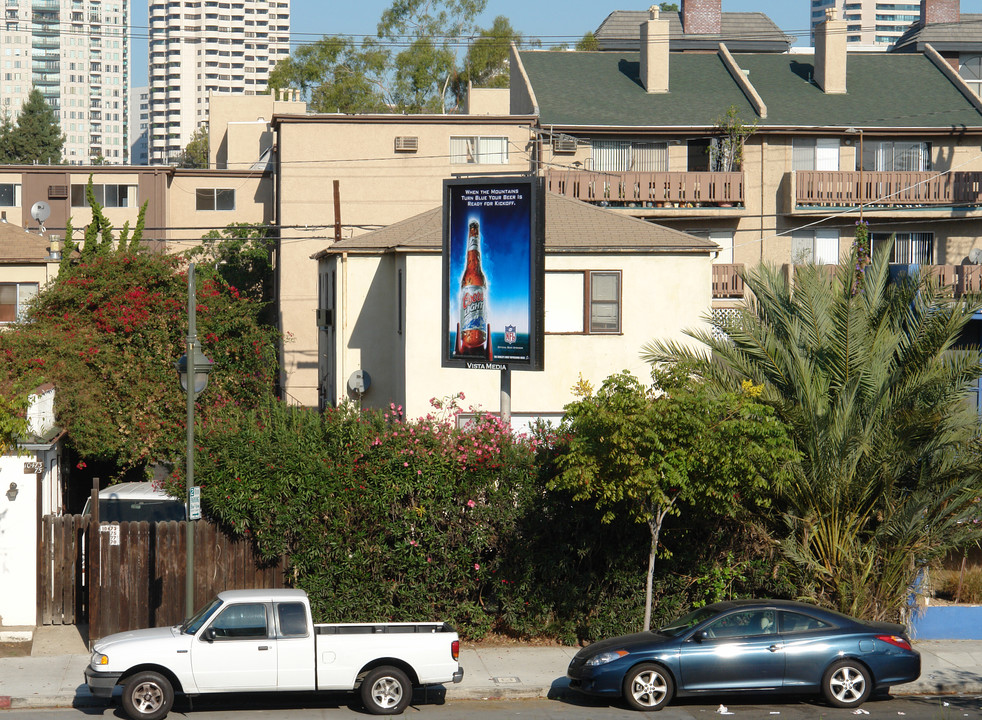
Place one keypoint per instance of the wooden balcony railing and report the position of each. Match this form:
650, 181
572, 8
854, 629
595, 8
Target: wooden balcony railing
954, 280
649, 189
727, 280
850, 188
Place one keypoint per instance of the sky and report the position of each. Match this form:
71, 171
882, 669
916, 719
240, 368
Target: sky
552, 21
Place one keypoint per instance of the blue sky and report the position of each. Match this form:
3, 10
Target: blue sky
552, 21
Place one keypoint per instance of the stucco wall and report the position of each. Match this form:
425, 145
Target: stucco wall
18, 543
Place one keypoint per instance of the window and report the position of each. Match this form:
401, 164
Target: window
970, 69
241, 622
896, 156
583, 302
745, 623
723, 238
913, 248
815, 246
478, 150
293, 619
815, 154
214, 199
605, 301
624, 156
13, 300
112, 196
9, 194
792, 622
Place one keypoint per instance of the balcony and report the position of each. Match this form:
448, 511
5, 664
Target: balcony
952, 280
891, 191
650, 191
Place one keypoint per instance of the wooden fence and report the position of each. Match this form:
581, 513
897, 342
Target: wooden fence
134, 574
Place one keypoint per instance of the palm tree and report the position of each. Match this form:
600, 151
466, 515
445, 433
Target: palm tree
872, 381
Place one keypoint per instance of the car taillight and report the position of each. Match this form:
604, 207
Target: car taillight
899, 641
455, 649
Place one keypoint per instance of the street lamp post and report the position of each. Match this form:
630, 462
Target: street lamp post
192, 369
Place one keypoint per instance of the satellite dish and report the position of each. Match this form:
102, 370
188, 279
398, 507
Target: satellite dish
975, 255
359, 382
40, 211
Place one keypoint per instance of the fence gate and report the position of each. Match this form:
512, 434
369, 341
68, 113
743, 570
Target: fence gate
125, 576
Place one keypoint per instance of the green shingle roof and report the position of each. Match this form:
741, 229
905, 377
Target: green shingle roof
884, 90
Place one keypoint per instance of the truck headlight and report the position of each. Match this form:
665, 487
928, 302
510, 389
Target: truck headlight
100, 659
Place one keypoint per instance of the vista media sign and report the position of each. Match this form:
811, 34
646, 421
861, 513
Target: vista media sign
493, 273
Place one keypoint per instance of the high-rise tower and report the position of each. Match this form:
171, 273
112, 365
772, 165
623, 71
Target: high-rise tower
76, 52
199, 47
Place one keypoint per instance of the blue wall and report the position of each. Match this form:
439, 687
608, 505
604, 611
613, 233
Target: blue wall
954, 622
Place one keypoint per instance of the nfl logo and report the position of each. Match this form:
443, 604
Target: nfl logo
510, 335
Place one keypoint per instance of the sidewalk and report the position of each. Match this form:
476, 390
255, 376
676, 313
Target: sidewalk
53, 675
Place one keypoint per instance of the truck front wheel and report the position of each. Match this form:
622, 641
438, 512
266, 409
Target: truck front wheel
386, 691
147, 696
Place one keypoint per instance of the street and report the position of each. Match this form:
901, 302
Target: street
330, 707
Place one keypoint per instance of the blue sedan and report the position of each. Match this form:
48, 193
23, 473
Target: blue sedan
766, 646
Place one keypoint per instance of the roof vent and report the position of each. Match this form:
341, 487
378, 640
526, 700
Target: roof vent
407, 143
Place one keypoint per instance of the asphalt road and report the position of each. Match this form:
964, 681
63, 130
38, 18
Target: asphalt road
341, 707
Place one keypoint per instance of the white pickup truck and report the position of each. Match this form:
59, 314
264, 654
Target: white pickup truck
265, 640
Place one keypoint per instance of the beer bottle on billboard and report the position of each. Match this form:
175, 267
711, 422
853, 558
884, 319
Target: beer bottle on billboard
473, 332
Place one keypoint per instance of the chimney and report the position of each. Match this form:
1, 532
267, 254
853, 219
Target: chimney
830, 54
701, 17
654, 52
939, 11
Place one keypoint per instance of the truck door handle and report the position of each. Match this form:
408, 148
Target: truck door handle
263, 647
774, 648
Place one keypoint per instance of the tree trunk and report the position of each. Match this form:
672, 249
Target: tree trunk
654, 524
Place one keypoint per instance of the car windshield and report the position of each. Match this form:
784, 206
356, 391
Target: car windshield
201, 617
686, 622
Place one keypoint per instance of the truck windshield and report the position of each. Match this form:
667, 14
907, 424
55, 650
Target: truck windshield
201, 617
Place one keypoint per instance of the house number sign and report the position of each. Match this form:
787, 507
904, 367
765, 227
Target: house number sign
113, 531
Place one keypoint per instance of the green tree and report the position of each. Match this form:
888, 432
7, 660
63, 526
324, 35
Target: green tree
7, 156
644, 453
107, 331
36, 137
869, 380
337, 74
587, 43
668, 7
243, 256
13, 422
486, 62
195, 154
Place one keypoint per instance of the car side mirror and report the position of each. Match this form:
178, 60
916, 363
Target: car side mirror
700, 636
209, 634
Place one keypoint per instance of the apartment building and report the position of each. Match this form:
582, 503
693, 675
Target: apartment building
204, 47
139, 130
869, 23
77, 53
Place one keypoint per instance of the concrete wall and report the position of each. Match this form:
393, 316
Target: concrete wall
18, 542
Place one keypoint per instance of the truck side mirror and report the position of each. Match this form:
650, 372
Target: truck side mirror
209, 634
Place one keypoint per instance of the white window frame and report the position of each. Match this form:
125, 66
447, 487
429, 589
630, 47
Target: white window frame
106, 194
970, 70
206, 199
628, 156
14, 192
819, 246
478, 150
909, 248
22, 294
596, 324
572, 302
815, 154
723, 238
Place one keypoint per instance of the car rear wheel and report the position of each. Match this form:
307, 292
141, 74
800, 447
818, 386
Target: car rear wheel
386, 691
648, 687
147, 696
846, 684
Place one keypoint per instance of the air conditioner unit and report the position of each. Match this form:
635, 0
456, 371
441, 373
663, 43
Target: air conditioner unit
564, 145
57, 192
407, 143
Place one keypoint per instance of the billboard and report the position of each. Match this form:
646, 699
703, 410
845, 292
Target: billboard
493, 267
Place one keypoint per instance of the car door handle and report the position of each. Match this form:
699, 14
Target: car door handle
263, 647
775, 648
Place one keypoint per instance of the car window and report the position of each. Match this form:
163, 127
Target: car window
677, 627
792, 622
743, 623
241, 622
293, 619
127, 510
